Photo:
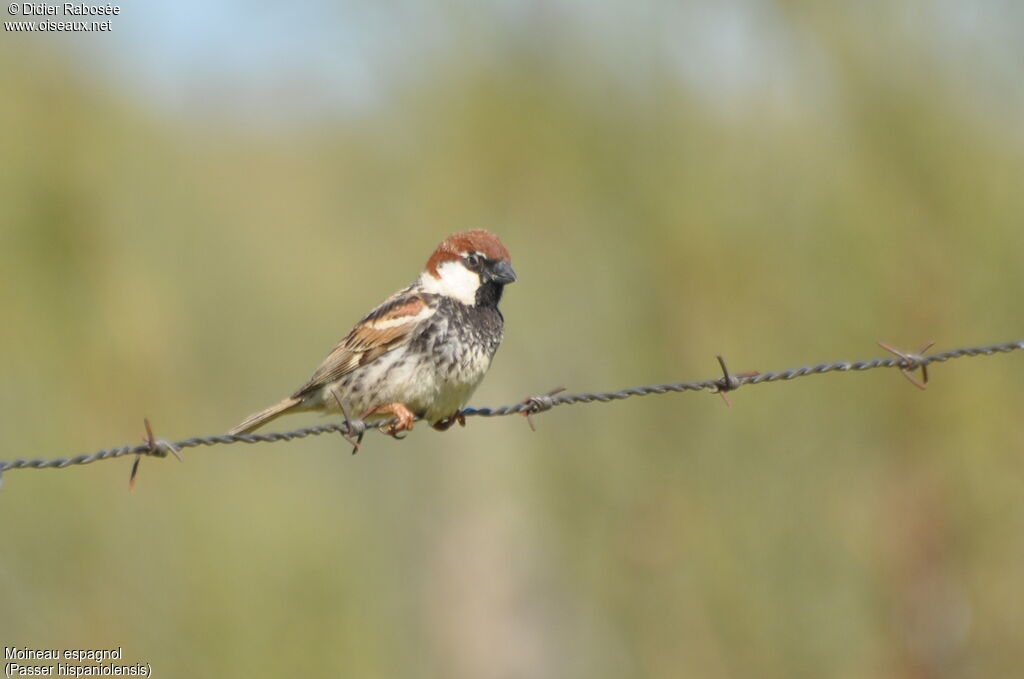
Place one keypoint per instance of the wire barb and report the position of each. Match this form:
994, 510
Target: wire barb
911, 362
727, 383
353, 430
538, 404
356, 427
153, 446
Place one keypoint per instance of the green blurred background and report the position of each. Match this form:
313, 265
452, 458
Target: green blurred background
197, 205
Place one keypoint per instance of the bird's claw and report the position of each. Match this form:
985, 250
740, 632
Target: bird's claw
446, 423
404, 419
395, 430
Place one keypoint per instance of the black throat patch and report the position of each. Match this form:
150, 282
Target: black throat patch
489, 294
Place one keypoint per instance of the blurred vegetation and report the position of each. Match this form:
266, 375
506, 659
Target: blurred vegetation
192, 270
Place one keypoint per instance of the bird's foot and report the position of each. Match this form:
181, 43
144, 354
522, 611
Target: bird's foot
446, 423
405, 418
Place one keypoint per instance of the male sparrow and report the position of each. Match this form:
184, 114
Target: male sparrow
420, 353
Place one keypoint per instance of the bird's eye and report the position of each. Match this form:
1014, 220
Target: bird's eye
473, 260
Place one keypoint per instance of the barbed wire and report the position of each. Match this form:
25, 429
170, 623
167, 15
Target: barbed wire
908, 363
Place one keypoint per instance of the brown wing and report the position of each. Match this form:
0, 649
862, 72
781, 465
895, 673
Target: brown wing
388, 326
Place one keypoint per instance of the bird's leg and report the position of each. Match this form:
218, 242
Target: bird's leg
404, 415
443, 425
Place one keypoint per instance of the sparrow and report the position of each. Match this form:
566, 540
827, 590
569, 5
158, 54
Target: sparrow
421, 352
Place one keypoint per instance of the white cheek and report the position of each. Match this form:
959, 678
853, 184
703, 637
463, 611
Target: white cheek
455, 281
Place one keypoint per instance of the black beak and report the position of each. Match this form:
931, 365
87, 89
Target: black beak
501, 272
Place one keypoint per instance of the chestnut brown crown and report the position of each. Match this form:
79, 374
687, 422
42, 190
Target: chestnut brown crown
457, 245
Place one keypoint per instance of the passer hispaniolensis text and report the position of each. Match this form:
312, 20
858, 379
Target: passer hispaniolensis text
422, 351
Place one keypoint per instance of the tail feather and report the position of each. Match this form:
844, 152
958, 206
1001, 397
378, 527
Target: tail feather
257, 420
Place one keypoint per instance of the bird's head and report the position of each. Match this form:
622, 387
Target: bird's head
472, 267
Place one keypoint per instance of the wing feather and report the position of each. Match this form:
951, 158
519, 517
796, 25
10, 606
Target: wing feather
387, 327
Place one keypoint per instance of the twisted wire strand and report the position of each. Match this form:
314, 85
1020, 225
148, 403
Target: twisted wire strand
906, 362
